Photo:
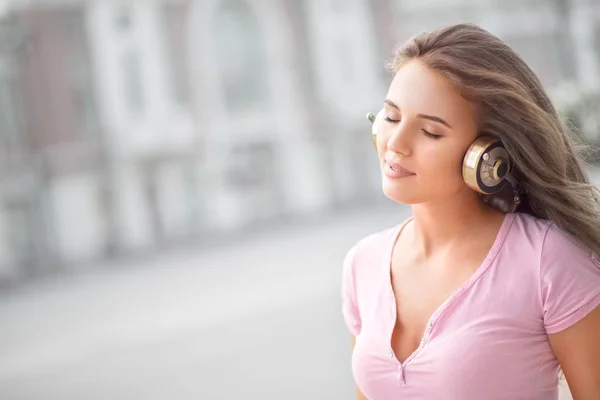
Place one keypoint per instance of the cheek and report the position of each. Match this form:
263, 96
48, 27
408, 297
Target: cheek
444, 168
381, 145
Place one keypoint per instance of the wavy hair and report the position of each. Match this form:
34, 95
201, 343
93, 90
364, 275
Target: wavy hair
548, 158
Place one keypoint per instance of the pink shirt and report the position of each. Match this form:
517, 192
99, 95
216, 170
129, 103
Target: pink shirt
489, 339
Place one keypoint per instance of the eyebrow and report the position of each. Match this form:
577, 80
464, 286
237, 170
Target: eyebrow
424, 116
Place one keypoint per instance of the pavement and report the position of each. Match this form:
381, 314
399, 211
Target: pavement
258, 319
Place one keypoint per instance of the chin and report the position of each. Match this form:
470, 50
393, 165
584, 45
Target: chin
399, 194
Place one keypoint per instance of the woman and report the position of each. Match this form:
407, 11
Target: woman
478, 295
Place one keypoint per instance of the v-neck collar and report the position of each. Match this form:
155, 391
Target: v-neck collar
483, 267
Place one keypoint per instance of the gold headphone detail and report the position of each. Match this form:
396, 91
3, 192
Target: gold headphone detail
375, 125
486, 165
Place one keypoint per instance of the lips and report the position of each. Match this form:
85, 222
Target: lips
398, 168
395, 170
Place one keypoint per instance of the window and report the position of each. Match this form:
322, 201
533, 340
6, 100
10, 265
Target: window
123, 18
12, 38
79, 72
241, 56
304, 56
175, 16
10, 127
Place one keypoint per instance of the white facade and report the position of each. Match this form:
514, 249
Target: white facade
276, 121
175, 169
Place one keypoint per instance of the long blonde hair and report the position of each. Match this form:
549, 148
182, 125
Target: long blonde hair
548, 158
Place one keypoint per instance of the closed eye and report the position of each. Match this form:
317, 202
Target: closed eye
431, 135
426, 133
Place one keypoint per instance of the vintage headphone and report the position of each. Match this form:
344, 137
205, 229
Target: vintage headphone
486, 165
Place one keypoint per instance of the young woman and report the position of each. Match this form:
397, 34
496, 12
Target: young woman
493, 285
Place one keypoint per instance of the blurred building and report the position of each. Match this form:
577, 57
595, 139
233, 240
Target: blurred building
127, 126
130, 125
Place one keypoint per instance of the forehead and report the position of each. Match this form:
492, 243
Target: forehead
416, 89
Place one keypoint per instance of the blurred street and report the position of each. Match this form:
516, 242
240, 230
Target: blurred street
256, 319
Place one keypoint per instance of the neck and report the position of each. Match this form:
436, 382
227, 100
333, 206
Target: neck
438, 225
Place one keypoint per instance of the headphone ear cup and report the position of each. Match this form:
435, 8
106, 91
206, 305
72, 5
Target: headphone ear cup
375, 121
486, 165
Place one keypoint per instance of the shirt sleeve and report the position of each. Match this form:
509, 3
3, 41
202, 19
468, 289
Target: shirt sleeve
349, 304
570, 281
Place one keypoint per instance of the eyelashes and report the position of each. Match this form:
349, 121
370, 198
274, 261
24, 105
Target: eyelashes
431, 135
426, 133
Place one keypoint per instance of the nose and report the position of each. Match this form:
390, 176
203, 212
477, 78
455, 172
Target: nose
400, 139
